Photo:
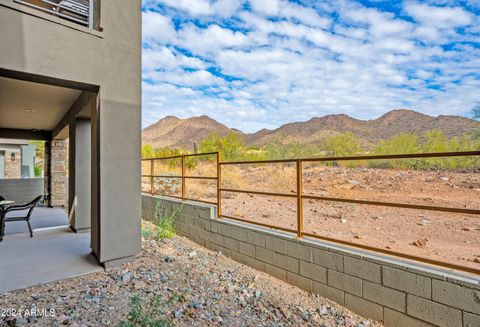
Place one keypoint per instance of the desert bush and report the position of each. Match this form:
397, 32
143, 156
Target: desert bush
277, 150
146, 315
397, 144
164, 221
231, 147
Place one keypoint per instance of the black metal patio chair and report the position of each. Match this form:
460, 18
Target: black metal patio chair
21, 207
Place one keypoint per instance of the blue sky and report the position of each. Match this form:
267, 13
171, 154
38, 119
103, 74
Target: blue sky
254, 64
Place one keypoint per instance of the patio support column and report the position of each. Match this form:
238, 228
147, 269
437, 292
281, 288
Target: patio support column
47, 169
55, 173
79, 178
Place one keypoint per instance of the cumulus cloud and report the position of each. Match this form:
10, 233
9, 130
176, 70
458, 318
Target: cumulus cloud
253, 64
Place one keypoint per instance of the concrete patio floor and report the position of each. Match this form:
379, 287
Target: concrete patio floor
54, 253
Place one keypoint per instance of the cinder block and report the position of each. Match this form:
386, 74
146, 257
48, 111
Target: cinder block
203, 234
433, 312
313, 271
238, 233
254, 263
299, 251
231, 244
328, 292
363, 307
385, 296
256, 238
202, 223
407, 282
265, 255
276, 244
217, 239
299, 281
470, 320
362, 269
224, 230
347, 283
460, 297
392, 318
247, 249
214, 226
287, 263
276, 272
328, 259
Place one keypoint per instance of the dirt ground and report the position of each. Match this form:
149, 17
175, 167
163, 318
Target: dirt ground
181, 283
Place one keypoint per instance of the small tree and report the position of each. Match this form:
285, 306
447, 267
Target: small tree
231, 147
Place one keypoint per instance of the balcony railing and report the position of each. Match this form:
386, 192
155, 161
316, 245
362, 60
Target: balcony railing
77, 11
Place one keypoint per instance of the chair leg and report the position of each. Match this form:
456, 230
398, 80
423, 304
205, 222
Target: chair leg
30, 228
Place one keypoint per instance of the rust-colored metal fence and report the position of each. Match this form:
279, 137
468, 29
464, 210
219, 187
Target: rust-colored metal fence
299, 195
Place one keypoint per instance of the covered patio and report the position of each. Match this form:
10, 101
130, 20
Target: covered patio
54, 253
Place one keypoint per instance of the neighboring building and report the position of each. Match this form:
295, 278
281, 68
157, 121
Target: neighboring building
72, 69
17, 159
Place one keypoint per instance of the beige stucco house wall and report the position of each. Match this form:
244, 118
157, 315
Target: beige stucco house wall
105, 64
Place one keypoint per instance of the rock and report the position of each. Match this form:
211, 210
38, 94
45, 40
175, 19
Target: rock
126, 276
424, 222
477, 260
258, 293
322, 310
343, 221
140, 285
467, 229
178, 313
192, 254
169, 259
195, 305
421, 243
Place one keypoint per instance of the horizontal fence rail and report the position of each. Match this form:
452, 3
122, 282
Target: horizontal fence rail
300, 196
78, 11
183, 177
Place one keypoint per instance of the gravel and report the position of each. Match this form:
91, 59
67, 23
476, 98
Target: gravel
192, 286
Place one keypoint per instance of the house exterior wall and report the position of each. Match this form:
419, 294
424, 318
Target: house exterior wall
12, 167
110, 59
395, 292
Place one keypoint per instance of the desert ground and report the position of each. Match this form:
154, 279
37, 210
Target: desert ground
443, 236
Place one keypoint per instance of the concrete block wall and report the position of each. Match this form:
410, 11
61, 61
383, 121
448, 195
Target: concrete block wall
395, 292
22, 189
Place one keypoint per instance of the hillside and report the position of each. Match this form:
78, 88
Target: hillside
181, 133
172, 131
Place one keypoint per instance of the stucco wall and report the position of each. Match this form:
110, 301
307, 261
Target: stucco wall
398, 293
110, 59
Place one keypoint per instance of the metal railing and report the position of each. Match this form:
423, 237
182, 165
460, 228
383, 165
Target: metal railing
77, 11
183, 160
299, 195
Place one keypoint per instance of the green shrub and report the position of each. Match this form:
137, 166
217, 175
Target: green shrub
164, 221
231, 147
149, 315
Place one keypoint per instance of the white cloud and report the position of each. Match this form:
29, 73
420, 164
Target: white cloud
441, 17
288, 62
156, 26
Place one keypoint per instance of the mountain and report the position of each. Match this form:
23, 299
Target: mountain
181, 133
176, 132
369, 131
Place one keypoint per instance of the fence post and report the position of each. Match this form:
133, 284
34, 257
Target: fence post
299, 199
183, 177
219, 184
152, 172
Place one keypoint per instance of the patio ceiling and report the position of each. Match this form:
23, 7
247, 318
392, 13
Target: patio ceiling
26, 105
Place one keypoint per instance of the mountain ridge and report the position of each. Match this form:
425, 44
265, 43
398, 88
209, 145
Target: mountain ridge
183, 132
